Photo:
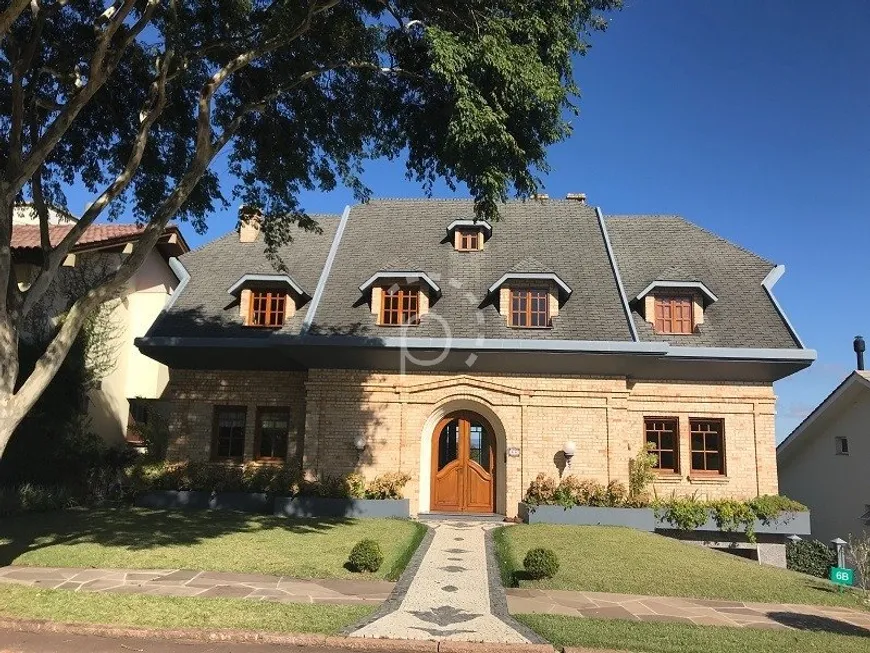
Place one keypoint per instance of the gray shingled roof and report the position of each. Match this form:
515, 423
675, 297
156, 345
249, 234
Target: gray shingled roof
205, 309
650, 248
561, 236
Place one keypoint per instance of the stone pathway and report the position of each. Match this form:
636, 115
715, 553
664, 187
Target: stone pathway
182, 582
697, 611
454, 594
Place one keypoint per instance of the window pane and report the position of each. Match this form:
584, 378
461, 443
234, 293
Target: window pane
698, 461
713, 462
448, 444
230, 436
697, 441
667, 460
479, 446
667, 440
274, 431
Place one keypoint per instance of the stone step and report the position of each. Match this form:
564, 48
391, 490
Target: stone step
460, 516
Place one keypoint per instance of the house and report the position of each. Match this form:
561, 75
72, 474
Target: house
410, 336
824, 462
131, 379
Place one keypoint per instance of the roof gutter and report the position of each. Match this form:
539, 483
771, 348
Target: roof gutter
769, 282
183, 277
615, 267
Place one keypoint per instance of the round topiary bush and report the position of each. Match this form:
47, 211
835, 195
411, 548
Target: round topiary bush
366, 556
541, 563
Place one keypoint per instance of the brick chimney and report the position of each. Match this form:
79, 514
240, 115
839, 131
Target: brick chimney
249, 228
577, 197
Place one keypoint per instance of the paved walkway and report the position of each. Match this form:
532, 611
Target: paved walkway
454, 594
182, 582
697, 611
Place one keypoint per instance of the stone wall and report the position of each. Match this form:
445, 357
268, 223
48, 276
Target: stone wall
398, 413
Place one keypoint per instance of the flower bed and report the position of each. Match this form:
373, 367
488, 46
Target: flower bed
768, 514
266, 489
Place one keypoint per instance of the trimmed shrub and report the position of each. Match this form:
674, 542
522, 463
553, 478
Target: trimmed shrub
366, 556
387, 486
810, 557
541, 563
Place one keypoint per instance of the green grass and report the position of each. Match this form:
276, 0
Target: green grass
646, 637
622, 560
212, 541
173, 612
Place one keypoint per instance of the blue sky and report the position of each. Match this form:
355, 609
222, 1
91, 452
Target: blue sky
748, 117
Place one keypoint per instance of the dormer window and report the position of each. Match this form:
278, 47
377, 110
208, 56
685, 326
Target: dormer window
674, 307
529, 300
674, 314
400, 298
267, 308
468, 240
400, 305
530, 307
268, 300
468, 235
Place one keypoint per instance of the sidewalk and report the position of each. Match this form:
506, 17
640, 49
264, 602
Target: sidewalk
703, 612
210, 584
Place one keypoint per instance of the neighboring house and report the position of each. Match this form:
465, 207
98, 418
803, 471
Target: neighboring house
825, 462
408, 336
131, 376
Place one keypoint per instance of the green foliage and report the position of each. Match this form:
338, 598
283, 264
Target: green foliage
541, 563
685, 513
387, 486
255, 477
731, 515
641, 473
769, 507
810, 557
34, 498
366, 556
571, 492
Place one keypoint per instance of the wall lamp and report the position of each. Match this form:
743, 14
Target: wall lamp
568, 450
360, 444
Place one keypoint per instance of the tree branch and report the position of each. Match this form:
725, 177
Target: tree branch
55, 258
16, 7
99, 71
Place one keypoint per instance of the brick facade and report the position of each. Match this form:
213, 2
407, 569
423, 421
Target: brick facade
397, 414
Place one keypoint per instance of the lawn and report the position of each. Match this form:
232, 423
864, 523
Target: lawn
212, 541
172, 612
621, 560
645, 637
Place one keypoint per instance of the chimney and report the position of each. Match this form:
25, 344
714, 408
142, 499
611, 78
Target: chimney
540, 196
249, 224
859, 347
577, 197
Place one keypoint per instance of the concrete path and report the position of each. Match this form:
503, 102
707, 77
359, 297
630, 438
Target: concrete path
693, 611
182, 582
454, 594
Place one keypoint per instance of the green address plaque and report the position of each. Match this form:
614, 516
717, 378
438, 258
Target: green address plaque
842, 576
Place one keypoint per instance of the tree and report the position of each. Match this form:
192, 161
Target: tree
134, 101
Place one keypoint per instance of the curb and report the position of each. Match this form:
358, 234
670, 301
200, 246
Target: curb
248, 637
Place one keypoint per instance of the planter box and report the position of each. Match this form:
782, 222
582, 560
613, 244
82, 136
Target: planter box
788, 523
182, 500
323, 507
640, 518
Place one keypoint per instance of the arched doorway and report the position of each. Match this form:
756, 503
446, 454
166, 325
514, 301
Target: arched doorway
463, 464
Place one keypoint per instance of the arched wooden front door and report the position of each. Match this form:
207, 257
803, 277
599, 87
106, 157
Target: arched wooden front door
463, 464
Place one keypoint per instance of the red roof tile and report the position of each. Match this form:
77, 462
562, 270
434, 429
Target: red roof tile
27, 236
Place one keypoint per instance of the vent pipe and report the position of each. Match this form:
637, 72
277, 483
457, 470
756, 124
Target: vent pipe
859, 351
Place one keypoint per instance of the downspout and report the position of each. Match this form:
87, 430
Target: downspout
615, 267
183, 277
324, 276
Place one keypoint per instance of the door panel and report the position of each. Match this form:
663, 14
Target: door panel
463, 465
448, 475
